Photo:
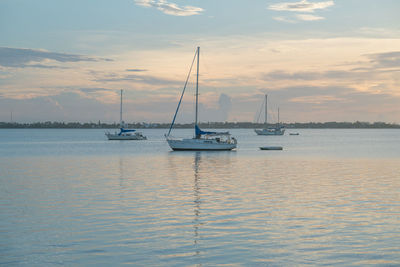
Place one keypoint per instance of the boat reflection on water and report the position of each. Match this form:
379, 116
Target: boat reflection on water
200, 178
196, 201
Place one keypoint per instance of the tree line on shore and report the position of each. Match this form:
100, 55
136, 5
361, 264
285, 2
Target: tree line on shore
209, 125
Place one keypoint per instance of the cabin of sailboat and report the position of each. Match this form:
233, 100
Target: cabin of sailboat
124, 134
202, 140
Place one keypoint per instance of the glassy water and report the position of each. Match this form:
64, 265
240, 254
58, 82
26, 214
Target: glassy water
70, 197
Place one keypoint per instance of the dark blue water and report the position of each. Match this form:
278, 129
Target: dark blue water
70, 197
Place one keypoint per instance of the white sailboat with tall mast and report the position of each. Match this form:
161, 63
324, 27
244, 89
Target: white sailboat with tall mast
202, 140
278, 129
124, 134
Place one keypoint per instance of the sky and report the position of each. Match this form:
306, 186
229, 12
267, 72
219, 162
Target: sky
318, 60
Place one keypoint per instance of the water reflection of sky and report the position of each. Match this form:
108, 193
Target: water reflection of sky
199, 209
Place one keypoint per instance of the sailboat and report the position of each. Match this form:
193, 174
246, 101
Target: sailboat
202, 140
277, 130
124, 134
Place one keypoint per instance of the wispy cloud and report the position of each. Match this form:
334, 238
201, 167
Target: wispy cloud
170, 8
136, 70
93, 90
23, 58
345, 75
378, 64
385, 60
42, 66
302, 6
284, 19
308, 17
142, 79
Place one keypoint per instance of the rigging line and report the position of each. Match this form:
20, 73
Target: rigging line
259, 113
183, 92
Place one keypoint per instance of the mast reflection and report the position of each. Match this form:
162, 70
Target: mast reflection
197, 201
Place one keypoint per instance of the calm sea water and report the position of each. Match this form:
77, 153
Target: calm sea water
70, 197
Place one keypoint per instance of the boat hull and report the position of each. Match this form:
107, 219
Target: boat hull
270, 132
271, 148
125, 137
199, 145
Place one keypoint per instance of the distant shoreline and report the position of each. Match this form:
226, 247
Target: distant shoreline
208, 125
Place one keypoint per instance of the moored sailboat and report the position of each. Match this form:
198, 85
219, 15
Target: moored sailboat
124, 134
278, 129
202, 140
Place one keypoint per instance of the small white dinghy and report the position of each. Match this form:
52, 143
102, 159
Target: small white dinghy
271, 148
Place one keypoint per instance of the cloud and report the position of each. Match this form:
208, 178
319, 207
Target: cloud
283, 75
170, 8
330, 103
385, 60
225, 106
136, 70
65, 106
308, 17
302, 6
23, 58
209, 110
94, 90
284, 19
53, 102
374, 67
144, 79
42, 66
316, 99
313, 75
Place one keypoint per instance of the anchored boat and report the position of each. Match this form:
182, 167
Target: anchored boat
202, 140
124, 134
277, 130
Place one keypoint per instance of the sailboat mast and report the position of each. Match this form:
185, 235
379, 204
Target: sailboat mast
265, 121
197, 84
120, 112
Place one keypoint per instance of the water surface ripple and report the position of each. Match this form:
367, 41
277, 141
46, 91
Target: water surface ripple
147, 206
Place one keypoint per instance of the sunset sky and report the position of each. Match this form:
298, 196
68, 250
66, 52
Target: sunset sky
318, 60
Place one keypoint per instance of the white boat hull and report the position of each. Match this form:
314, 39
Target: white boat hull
200, 144
270, 131
125, 137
